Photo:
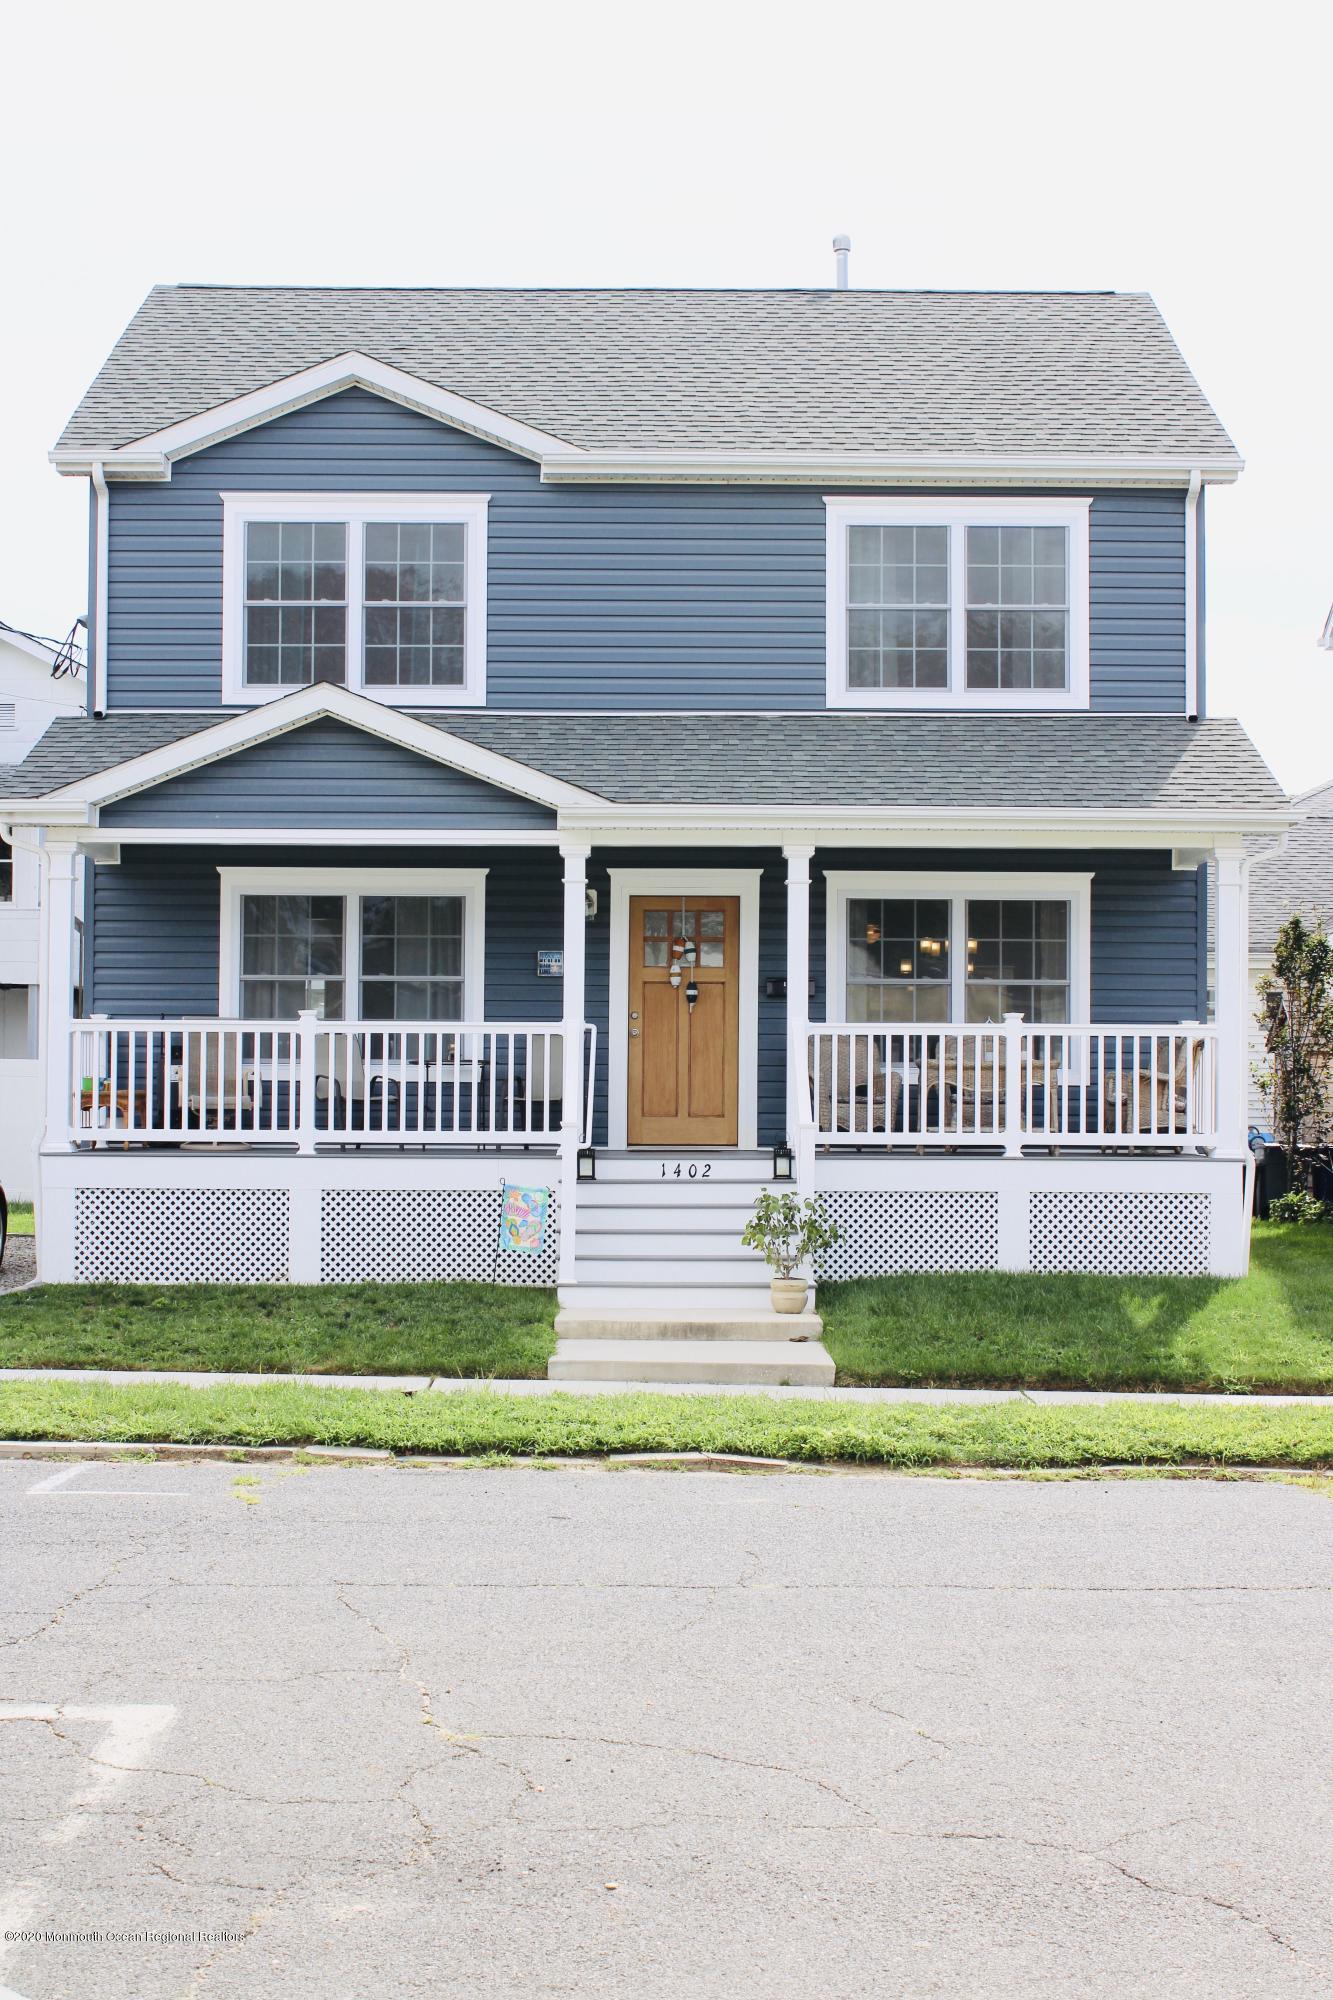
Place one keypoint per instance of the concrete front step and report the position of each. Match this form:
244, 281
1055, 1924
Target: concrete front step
801, 1363
619, 1323
668, 1267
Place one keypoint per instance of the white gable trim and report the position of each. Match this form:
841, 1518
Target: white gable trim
151, 457
309, 704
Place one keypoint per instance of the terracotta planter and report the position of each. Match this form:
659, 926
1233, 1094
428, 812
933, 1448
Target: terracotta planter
788, 1294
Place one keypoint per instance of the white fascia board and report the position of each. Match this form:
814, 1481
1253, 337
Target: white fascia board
834, 826
310, 704
897, 469
151, 457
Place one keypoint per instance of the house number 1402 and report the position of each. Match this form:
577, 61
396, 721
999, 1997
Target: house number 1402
694, 1172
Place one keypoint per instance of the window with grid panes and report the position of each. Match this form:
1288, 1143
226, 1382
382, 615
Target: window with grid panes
295, 603
897, 959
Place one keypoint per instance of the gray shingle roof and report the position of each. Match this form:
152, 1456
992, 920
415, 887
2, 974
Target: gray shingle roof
847, 372
1298, 878
1009, 762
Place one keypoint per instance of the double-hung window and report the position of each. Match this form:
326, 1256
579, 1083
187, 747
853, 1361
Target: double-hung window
904, 948
401, 945
957, 604
381, 592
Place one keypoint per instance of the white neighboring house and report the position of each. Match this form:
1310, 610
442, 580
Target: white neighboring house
29, 700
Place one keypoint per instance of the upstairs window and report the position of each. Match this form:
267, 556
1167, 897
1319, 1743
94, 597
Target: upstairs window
957, 604
383, 593
6, 872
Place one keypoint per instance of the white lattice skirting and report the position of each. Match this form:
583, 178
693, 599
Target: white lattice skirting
1171, 1218
881, 1230
228, 1220
1126, 1233
182, 1236
395, 1236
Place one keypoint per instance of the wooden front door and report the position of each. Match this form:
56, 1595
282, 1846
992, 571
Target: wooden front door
683, 1060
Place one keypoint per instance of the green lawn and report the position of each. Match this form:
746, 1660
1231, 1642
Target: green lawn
20, 1218
1270, 1330
476, 1422
487, 1330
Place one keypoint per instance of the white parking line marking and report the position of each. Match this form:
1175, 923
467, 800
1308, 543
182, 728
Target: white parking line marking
131, 1727
61, 1478
57, 1483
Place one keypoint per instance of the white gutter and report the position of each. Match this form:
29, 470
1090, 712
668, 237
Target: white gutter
101, 586
1192, 595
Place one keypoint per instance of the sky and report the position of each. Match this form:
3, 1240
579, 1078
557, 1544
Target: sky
1176, 149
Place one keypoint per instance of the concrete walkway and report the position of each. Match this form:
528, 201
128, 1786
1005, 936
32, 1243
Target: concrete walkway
412, 1385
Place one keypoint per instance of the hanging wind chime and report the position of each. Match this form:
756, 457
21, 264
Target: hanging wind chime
684, 952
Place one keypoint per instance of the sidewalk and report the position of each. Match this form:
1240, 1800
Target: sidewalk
414, 1385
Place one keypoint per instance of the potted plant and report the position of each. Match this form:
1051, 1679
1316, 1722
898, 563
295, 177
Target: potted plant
788, 1232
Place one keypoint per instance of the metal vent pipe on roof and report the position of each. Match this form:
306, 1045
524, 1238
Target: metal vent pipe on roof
842, 250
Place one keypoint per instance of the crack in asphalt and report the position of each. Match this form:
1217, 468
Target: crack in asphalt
57, 1617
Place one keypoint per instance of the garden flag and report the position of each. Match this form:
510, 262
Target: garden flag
523, 1214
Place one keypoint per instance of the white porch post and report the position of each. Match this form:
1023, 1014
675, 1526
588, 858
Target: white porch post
58, 970
798, 982
1233, 998
571, 1128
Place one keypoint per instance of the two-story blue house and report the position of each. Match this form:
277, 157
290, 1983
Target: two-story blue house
644, 744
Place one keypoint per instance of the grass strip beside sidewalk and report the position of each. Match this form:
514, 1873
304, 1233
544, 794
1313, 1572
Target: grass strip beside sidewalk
466, 1423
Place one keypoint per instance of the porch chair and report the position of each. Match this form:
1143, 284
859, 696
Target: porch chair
340, 1083
535, 1085
216, 1095
1160, 1091
857, 1095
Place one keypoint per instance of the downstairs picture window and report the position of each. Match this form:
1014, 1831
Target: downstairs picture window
960, 957
406, 946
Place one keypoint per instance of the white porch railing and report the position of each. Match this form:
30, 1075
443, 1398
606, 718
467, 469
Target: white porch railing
1008, 1086
317, 1083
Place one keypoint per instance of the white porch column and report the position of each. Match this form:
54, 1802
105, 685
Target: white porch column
58, 970
571, 1130
798, 980
1233, 998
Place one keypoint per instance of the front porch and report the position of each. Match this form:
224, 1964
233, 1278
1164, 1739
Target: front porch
317, 1052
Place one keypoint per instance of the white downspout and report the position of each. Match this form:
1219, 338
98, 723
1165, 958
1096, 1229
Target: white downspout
102, 589
1192, 595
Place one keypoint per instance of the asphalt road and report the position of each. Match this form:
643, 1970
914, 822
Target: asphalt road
397, 1731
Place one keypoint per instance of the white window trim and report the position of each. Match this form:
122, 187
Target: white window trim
677, 882
468, 510
1076, 890
352, 885
957, 515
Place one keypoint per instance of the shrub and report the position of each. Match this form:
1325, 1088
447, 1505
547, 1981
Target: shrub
1299, 1206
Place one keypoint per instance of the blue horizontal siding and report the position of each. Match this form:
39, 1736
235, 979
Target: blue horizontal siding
599, 597
328, 775
154, 942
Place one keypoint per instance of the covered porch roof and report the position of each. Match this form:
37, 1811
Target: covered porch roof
1163, 780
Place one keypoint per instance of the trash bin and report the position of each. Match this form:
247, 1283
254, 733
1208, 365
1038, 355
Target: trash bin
1271, 1177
